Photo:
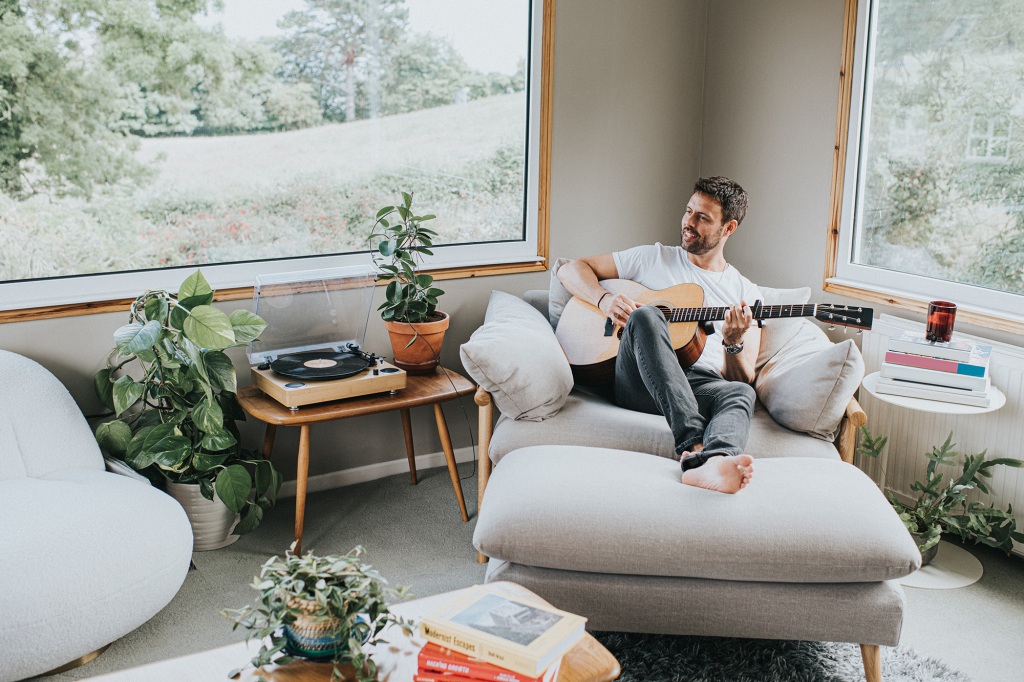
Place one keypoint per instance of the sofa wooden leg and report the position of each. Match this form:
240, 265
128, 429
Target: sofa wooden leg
872, 655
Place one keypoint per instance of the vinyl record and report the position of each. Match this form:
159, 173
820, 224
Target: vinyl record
319, 365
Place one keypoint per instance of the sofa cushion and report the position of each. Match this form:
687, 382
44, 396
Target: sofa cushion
515, 357
558, 295
588, 419
807, 384
611, 511
775, 334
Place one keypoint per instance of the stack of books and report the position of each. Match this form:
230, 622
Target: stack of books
954, 371
486, 634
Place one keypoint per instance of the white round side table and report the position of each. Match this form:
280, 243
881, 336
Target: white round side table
952, 566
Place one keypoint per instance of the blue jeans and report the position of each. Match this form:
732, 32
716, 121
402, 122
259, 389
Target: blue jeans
699, 405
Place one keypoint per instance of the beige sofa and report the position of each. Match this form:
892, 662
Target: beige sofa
584, 516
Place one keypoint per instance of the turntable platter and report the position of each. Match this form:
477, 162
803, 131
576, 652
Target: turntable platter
319, 365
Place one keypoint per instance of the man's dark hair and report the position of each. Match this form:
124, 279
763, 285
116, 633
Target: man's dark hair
729, 195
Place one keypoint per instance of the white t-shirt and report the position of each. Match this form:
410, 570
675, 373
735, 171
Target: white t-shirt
658, 267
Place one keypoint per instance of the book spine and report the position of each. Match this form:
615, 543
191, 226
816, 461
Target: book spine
938, 364
497, 655
930, 376
930, 350
471, 669
426, 676
924, 393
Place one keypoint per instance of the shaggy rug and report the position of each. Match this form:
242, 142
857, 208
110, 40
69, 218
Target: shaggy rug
663, 658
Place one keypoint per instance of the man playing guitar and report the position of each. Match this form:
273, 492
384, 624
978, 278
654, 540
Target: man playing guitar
707, 405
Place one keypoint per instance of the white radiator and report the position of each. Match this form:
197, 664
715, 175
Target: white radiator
912, 433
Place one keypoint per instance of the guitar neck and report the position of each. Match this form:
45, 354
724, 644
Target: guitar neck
760, 312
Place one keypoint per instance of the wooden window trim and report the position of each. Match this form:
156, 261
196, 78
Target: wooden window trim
543, 213
852, 290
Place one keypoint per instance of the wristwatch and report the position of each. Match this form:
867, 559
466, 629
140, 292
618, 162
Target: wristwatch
733, 348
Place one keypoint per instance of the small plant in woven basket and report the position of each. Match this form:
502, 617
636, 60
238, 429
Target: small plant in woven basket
324, 608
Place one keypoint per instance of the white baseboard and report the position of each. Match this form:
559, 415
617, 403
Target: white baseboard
371, 472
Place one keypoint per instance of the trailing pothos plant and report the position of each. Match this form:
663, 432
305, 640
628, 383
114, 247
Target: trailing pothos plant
172, 391
401, 241
343, 599
943, 506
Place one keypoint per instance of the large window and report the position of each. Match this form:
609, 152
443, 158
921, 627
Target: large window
139, 140
933, 195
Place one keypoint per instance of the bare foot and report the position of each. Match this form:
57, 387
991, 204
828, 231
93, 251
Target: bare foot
723, 474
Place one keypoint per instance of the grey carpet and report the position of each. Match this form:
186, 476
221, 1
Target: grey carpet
660, 658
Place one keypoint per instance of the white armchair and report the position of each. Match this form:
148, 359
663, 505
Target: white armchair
86, 556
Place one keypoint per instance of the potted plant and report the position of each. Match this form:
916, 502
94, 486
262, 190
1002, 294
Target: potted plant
409, 309
172, 391
943, 506
319, 608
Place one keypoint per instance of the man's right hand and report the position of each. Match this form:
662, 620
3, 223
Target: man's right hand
618, 307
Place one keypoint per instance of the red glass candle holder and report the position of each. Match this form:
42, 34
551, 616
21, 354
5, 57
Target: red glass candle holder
941, 315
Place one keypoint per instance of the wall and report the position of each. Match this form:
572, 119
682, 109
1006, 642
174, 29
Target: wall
769, 121
627, 108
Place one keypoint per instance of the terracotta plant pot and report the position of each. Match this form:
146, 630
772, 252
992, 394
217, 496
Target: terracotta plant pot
417, 345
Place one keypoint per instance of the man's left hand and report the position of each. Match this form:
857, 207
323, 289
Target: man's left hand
738, 319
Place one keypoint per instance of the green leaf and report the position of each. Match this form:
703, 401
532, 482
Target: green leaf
156, 309
136, 457
429, 216
193, 302
194, 285
135, 337
424, 281
104, 388
126, 393
114, 437
208, 327
166, 447
208, 416
217, 441
205, 461
233, 486
220, 370
206, 488
176, 318
247, 325
407, 198
384, 211
250, 521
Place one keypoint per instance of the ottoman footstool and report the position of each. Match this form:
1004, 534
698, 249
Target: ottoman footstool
811, 550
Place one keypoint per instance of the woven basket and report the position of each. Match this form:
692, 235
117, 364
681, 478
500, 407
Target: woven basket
312, 636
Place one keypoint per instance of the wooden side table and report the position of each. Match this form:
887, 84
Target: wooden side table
424, 389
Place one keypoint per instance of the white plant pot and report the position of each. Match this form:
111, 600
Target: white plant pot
211, 521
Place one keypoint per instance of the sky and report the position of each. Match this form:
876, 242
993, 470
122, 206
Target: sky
482, 42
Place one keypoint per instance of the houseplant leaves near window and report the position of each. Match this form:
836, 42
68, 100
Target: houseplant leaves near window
409, 309
321, 608
172, 390
943, 506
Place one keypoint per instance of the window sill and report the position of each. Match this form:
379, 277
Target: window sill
981, 317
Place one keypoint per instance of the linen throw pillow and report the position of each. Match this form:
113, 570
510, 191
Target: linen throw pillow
807, 384
516, 358
558, 295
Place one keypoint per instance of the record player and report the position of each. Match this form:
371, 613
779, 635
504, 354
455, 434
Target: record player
312, 349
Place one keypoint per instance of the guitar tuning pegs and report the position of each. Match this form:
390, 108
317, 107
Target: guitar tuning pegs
859, 332
831, 327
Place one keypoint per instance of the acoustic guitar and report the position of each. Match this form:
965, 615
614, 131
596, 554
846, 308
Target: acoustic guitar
591, 342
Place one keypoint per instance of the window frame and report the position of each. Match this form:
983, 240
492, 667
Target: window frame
1001, 311
49, 298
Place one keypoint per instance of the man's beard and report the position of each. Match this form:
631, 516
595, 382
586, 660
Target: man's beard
701, 245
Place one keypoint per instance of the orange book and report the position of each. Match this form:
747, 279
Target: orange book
441, 664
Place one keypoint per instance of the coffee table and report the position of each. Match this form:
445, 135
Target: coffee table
435, 388
588, 661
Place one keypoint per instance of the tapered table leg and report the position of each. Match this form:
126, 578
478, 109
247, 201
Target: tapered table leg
872, 657
301, 476
268, 440
449, 455
409, 451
